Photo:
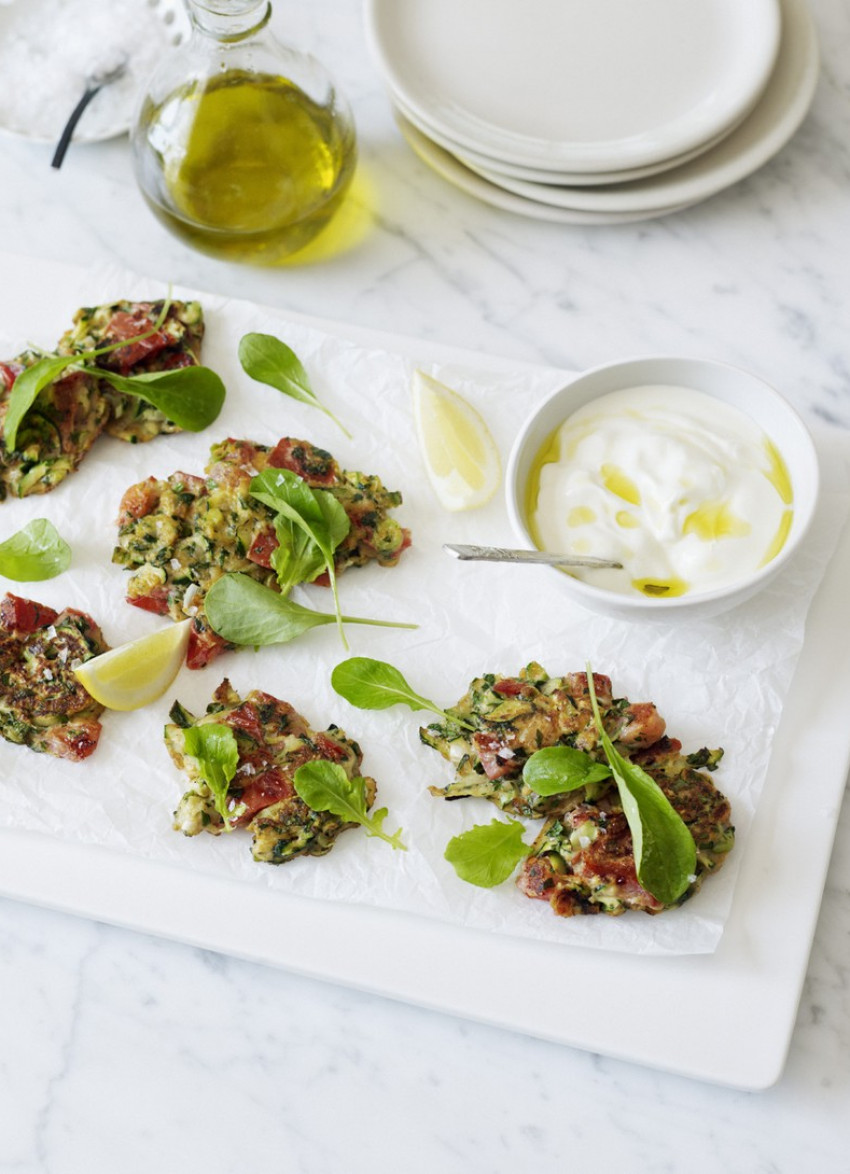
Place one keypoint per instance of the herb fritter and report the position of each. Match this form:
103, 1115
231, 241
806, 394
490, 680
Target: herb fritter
582, 860
42, 704
180, 535
273, 741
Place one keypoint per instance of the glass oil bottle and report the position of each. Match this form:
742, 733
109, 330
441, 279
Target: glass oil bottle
242, 146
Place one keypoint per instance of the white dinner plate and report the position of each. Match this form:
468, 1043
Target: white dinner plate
577, 86
55, 50
451, 168
768, 128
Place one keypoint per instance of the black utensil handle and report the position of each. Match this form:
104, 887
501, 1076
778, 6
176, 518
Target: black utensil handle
70, 126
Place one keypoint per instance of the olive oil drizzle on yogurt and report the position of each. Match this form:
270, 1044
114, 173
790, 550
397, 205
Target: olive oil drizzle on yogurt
686, 491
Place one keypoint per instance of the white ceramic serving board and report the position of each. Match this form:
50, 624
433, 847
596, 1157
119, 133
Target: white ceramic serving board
725, 1017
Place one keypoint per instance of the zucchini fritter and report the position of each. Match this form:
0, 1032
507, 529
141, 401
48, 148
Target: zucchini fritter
63, 423
182, 534
71, 412
515, 717
42, 704
582, 861
273, 741
176, 343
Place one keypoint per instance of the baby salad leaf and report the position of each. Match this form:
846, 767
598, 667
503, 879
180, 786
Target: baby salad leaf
555, 769
325, 786
36, 552
243, 611
191, 397
296, 558
214, 746
25, 389
315, 512
268, 360
374, 684
487, 854
664, 849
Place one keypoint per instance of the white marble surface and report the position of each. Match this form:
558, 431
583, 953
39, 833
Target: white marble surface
125, 1053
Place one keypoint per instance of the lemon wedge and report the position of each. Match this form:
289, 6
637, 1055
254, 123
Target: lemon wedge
135, 674
461, 457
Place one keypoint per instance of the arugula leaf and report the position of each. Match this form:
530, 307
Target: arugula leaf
36, 552
25, 390
325, 786
315, 512
268, 360
243, 611
487, 854
556, 769
191, 397
374, 684
213, 744
664, 849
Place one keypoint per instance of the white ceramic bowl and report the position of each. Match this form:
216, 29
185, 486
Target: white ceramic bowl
748, 394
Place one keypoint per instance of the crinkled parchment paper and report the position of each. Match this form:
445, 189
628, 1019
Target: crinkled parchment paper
718, 683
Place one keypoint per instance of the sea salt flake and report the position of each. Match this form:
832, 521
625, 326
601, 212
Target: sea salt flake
50, 49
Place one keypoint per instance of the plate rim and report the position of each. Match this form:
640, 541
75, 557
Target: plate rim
450, 168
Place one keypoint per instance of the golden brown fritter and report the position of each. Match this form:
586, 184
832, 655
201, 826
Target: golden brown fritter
42, 704
180, 535
176, 342
70, 412
582, 861
515, 716
273, 741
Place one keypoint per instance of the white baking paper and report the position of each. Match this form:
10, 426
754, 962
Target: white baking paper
720, 682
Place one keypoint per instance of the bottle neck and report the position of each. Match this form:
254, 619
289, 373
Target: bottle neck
229, 20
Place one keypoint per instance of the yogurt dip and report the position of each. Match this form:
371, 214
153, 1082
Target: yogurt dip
687, 492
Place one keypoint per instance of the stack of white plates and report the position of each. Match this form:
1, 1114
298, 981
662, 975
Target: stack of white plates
595, 111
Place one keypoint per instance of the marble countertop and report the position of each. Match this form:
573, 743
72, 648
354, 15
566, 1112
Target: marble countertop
130, 1053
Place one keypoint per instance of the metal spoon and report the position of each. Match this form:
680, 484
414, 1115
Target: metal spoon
94, 84
498, 554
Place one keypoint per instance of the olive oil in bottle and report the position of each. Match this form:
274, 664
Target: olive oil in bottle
243, 162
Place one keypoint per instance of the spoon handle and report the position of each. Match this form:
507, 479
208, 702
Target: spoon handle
71, 125
499, 554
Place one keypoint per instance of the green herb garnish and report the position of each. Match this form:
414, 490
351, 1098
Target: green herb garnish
556, 769
25, 389
374, 684
309, 526
487, 854
664, 849
324, 786
191, 397
243, 611
36, 552
214, 746
268, 360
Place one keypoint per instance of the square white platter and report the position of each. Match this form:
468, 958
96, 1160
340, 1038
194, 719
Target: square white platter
725, 1017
